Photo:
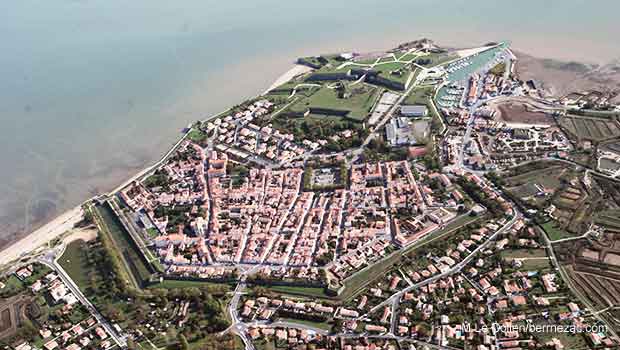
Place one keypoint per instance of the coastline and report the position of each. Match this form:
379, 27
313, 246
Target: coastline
297, 69
41, 236
65, 221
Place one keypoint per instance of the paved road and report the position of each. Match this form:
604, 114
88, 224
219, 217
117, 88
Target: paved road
456, 268
237, 327
571, 286
50, 259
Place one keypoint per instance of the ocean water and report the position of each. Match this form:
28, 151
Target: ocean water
91, 91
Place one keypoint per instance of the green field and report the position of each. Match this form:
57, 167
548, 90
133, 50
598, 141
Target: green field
533, 259
407, 56
320, 325
110, 225
569, 340
525, 190
359, 103
75, 262
499, 69
386, 68
197, 136
610, 219
12, 286
548, 177
523, 253
420, 96
212, 342
554, 232
438, 59
173, 284
299, 291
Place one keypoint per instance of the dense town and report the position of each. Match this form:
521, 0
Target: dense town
412, 199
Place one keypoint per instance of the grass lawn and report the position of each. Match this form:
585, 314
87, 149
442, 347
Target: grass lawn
499, 69
569, 340
404, 77
408, 57
197, 136
172, 284
439, 58
360, 279
389, 66
523, 253
232, 343
152, 232
110, 225
74, 261
420, 96
12, 286
554, 231
534, 259
320, 325
298, 290
358, 104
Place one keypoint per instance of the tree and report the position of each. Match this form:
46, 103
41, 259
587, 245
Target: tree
131, 345
183, 343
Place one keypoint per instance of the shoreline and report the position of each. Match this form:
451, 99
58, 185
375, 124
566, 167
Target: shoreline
56, 227
65, 222
297, 69
41, 236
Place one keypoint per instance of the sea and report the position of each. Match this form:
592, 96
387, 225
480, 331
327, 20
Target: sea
92, 91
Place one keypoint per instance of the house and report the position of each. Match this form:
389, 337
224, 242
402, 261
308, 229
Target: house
51, 345
101, 333
375, 329
348, 313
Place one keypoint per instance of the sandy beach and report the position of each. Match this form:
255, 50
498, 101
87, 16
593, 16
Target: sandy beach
42, 236
290, 74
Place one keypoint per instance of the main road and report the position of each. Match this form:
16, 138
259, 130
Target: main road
455, 269
50, 259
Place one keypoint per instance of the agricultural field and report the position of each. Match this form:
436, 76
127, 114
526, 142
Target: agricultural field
555, 232
8, 318
573, 209
593, 129
609, 164
610, 190
530, 259
610, 220
613, 146
537, 185
601, 292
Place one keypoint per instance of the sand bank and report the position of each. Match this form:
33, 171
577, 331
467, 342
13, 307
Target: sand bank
42, 236
290, 74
